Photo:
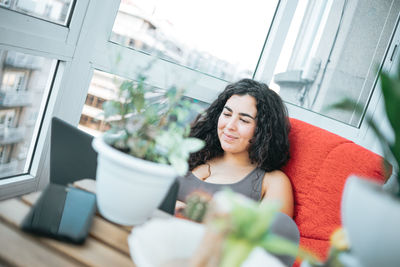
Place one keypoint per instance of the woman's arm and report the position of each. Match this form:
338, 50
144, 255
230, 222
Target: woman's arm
277, 186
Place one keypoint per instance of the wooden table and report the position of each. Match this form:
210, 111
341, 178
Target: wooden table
106, 244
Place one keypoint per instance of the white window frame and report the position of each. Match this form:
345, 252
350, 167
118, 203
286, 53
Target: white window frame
275, 40
84, 46
360, 135
27, 34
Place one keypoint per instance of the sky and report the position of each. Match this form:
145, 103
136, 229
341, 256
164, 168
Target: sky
232, 30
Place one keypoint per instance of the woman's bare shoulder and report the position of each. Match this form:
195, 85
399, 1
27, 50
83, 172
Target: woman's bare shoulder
275, 182
276, 176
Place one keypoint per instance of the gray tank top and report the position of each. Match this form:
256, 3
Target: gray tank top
249, 186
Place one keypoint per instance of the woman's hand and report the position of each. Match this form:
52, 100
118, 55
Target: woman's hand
179, 206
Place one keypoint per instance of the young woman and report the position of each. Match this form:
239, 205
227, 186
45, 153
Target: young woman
246, 134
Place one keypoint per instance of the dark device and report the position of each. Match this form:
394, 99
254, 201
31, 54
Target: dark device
62, 212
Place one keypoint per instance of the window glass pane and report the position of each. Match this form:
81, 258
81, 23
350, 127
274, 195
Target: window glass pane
24, 84
332, 51
221, 38
103, 87
57, 11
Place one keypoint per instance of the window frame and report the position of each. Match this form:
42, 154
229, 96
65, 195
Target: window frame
361, 134
44, 37
358, 134
85, 46
34, 36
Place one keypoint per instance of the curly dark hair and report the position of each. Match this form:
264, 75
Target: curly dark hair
269, 147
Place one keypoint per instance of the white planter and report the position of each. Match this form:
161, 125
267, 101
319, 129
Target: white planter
371, 217
129, 189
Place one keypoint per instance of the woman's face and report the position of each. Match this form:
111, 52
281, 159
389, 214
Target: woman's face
237, 123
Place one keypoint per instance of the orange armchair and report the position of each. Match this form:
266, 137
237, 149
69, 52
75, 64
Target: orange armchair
318, 168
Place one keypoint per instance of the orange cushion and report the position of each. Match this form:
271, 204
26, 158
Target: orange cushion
318, 168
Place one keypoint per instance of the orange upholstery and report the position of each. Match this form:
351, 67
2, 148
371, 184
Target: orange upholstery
318, 168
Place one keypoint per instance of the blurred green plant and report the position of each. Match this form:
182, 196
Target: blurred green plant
340, 247
247, 224
390, 86
196, 206
151, 124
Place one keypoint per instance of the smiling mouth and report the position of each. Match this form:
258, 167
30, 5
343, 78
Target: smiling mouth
229, 137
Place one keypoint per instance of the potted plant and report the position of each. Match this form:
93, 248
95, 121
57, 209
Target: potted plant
146, 147
236, 227
371, 214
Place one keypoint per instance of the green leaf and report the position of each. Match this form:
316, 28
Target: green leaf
126, 86
265, 215
151, 115
172, 93
139, 102
191, 144
181, 114
179, 164
111, 108
278, 245
235, 252
164, 140
281, 246
391, 94
141, 78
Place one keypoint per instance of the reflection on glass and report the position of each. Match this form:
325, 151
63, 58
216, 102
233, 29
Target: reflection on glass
331, 52
221, 38
23, 80
57, 11
103, 87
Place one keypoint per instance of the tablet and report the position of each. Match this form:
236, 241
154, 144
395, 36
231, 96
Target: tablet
62, 212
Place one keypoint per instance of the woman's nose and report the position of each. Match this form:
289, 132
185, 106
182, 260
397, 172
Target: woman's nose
231, 123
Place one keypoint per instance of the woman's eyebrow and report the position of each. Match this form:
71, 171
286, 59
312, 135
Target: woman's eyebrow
228, 108
246, 115
241, 114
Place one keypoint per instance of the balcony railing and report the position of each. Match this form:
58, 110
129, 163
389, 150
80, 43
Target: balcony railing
19, 60
7, 169
15, 99
11, 135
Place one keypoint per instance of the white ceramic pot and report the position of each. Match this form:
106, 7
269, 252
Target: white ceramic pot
129, 189
371, 217
173, 242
